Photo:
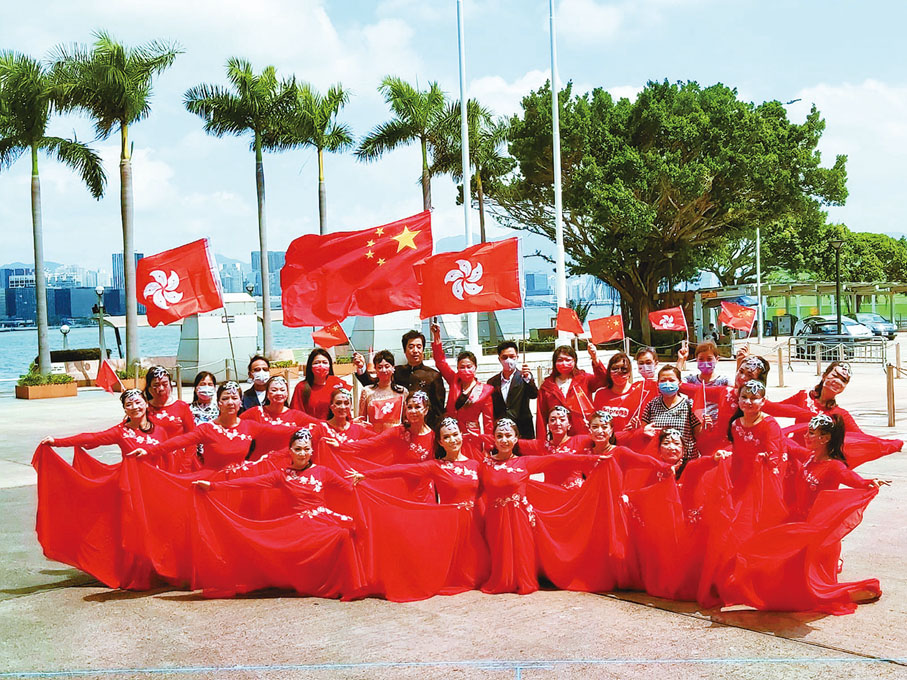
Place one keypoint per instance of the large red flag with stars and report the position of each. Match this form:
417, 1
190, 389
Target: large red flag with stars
482, 278
354, 273
178, 283
568, 321
670, 319
607, 329
737, 316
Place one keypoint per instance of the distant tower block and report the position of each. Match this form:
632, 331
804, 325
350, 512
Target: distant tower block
205, 344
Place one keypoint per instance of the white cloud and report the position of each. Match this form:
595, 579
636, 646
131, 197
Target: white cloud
588, 21
504, 97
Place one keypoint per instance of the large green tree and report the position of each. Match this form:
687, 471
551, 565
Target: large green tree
313, 121
651, 187
488, 158
417, 115
112, 83
253, 104
28, 95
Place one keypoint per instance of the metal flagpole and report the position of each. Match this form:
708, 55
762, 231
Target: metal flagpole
560, 267
758, 283
472, 323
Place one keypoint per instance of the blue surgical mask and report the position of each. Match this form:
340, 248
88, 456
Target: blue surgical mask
668, 389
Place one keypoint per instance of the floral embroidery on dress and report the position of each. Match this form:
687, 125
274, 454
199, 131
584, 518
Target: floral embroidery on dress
306, 480
232, 433
574, 483
518, 501
147, 439
461, 470
321, 510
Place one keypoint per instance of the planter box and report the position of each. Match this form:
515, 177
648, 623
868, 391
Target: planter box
46, 391
130, 384
289, 372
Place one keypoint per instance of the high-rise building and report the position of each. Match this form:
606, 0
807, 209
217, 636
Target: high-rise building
276, 261
538, 284
231, 277
119, 279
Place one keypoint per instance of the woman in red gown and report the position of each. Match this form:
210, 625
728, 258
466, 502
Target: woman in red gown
413, 441
559, 442
510, 519
381, 405
309, 548
468, 399
227, 439
341, 426
794, 566
135, 431
173, 415
569, 387
275, 411
313, 394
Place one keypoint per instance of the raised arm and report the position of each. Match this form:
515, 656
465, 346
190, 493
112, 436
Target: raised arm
87, 440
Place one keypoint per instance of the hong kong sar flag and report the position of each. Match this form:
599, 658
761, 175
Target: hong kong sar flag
482, 278
670, 319
178, 283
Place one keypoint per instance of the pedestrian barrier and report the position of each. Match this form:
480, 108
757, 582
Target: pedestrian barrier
828, 348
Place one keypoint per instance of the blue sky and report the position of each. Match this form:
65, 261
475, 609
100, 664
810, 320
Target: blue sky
846, 57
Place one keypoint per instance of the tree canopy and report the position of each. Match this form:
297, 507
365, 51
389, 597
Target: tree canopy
656, 187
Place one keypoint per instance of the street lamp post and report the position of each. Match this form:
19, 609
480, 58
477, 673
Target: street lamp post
250, 288
64, 329
836, 244
101, 343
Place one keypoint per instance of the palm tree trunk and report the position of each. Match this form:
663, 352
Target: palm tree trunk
132, 310
40, 285
426, 177
481, 196
268, 345
322, 197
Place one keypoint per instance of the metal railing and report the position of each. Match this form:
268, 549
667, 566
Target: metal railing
827, 348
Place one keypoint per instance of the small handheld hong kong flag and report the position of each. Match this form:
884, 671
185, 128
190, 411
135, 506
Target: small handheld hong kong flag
737, 316
482, 278
671, 319
568, 321
330, 336
107, 378
178, 283
607, 329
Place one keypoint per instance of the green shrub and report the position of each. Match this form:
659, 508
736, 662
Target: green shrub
289, 363
132, 372
34, 379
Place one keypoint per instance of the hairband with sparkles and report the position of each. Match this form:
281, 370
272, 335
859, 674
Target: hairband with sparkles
505, 422
753, 363
419, 395
345, 392
604, 416
449, 422
671, 433
132, 392
845, 369
754, 387
278, 378
156, 372
230, 386
820, 420
305, 434
560, 409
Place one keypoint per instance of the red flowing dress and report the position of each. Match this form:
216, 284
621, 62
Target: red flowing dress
291, 420
223, 446
316, 400
578, 394
714, 438
121, 435
176, 417
477, 413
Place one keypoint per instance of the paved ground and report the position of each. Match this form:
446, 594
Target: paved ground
58, 622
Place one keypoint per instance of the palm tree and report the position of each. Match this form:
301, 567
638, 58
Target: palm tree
417, 114
313, 122
112, 84
487, 138
255, 104
27, 98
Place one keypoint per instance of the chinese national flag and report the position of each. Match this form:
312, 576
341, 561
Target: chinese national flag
482, 278
607, 329
354, 273
107, 378
579, 402
737, 316
699, 403
330, 335
178, 283
568, 321
670, 319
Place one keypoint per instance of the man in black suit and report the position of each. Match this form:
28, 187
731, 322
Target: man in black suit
513, 390
259, 374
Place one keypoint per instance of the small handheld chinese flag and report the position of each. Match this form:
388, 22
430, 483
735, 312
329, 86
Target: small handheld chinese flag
579, 402
330, 336
671, 319
737, 316
699, 403
107, 378
568, 321
178, 283
607, 329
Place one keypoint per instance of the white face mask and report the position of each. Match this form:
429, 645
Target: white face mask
646, 370
261, 376
508, 363
206, 391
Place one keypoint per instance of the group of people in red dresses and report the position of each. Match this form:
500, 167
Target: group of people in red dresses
684, 488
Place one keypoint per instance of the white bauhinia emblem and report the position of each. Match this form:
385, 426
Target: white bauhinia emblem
666, 320
163, 290
465, 279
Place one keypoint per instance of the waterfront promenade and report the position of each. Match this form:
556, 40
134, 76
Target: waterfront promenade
58, 622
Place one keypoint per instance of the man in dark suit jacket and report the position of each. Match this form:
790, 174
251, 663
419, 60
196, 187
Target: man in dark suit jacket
513, 390
259, 374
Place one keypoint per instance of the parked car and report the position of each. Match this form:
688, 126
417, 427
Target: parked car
798, 327
878, 324
824, 330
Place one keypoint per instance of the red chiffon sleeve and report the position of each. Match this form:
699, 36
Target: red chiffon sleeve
185, 414
369, 448
267, 480
792, 407
848, 477
437, 353
91, 440
197, 436
410, 470
535, 464
627, 458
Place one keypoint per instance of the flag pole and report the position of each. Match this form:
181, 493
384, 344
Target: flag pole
472, 322
560, 264
230, 337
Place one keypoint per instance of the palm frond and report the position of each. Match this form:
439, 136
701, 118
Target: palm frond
80, 158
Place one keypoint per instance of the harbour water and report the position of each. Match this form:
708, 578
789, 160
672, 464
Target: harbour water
18, 348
